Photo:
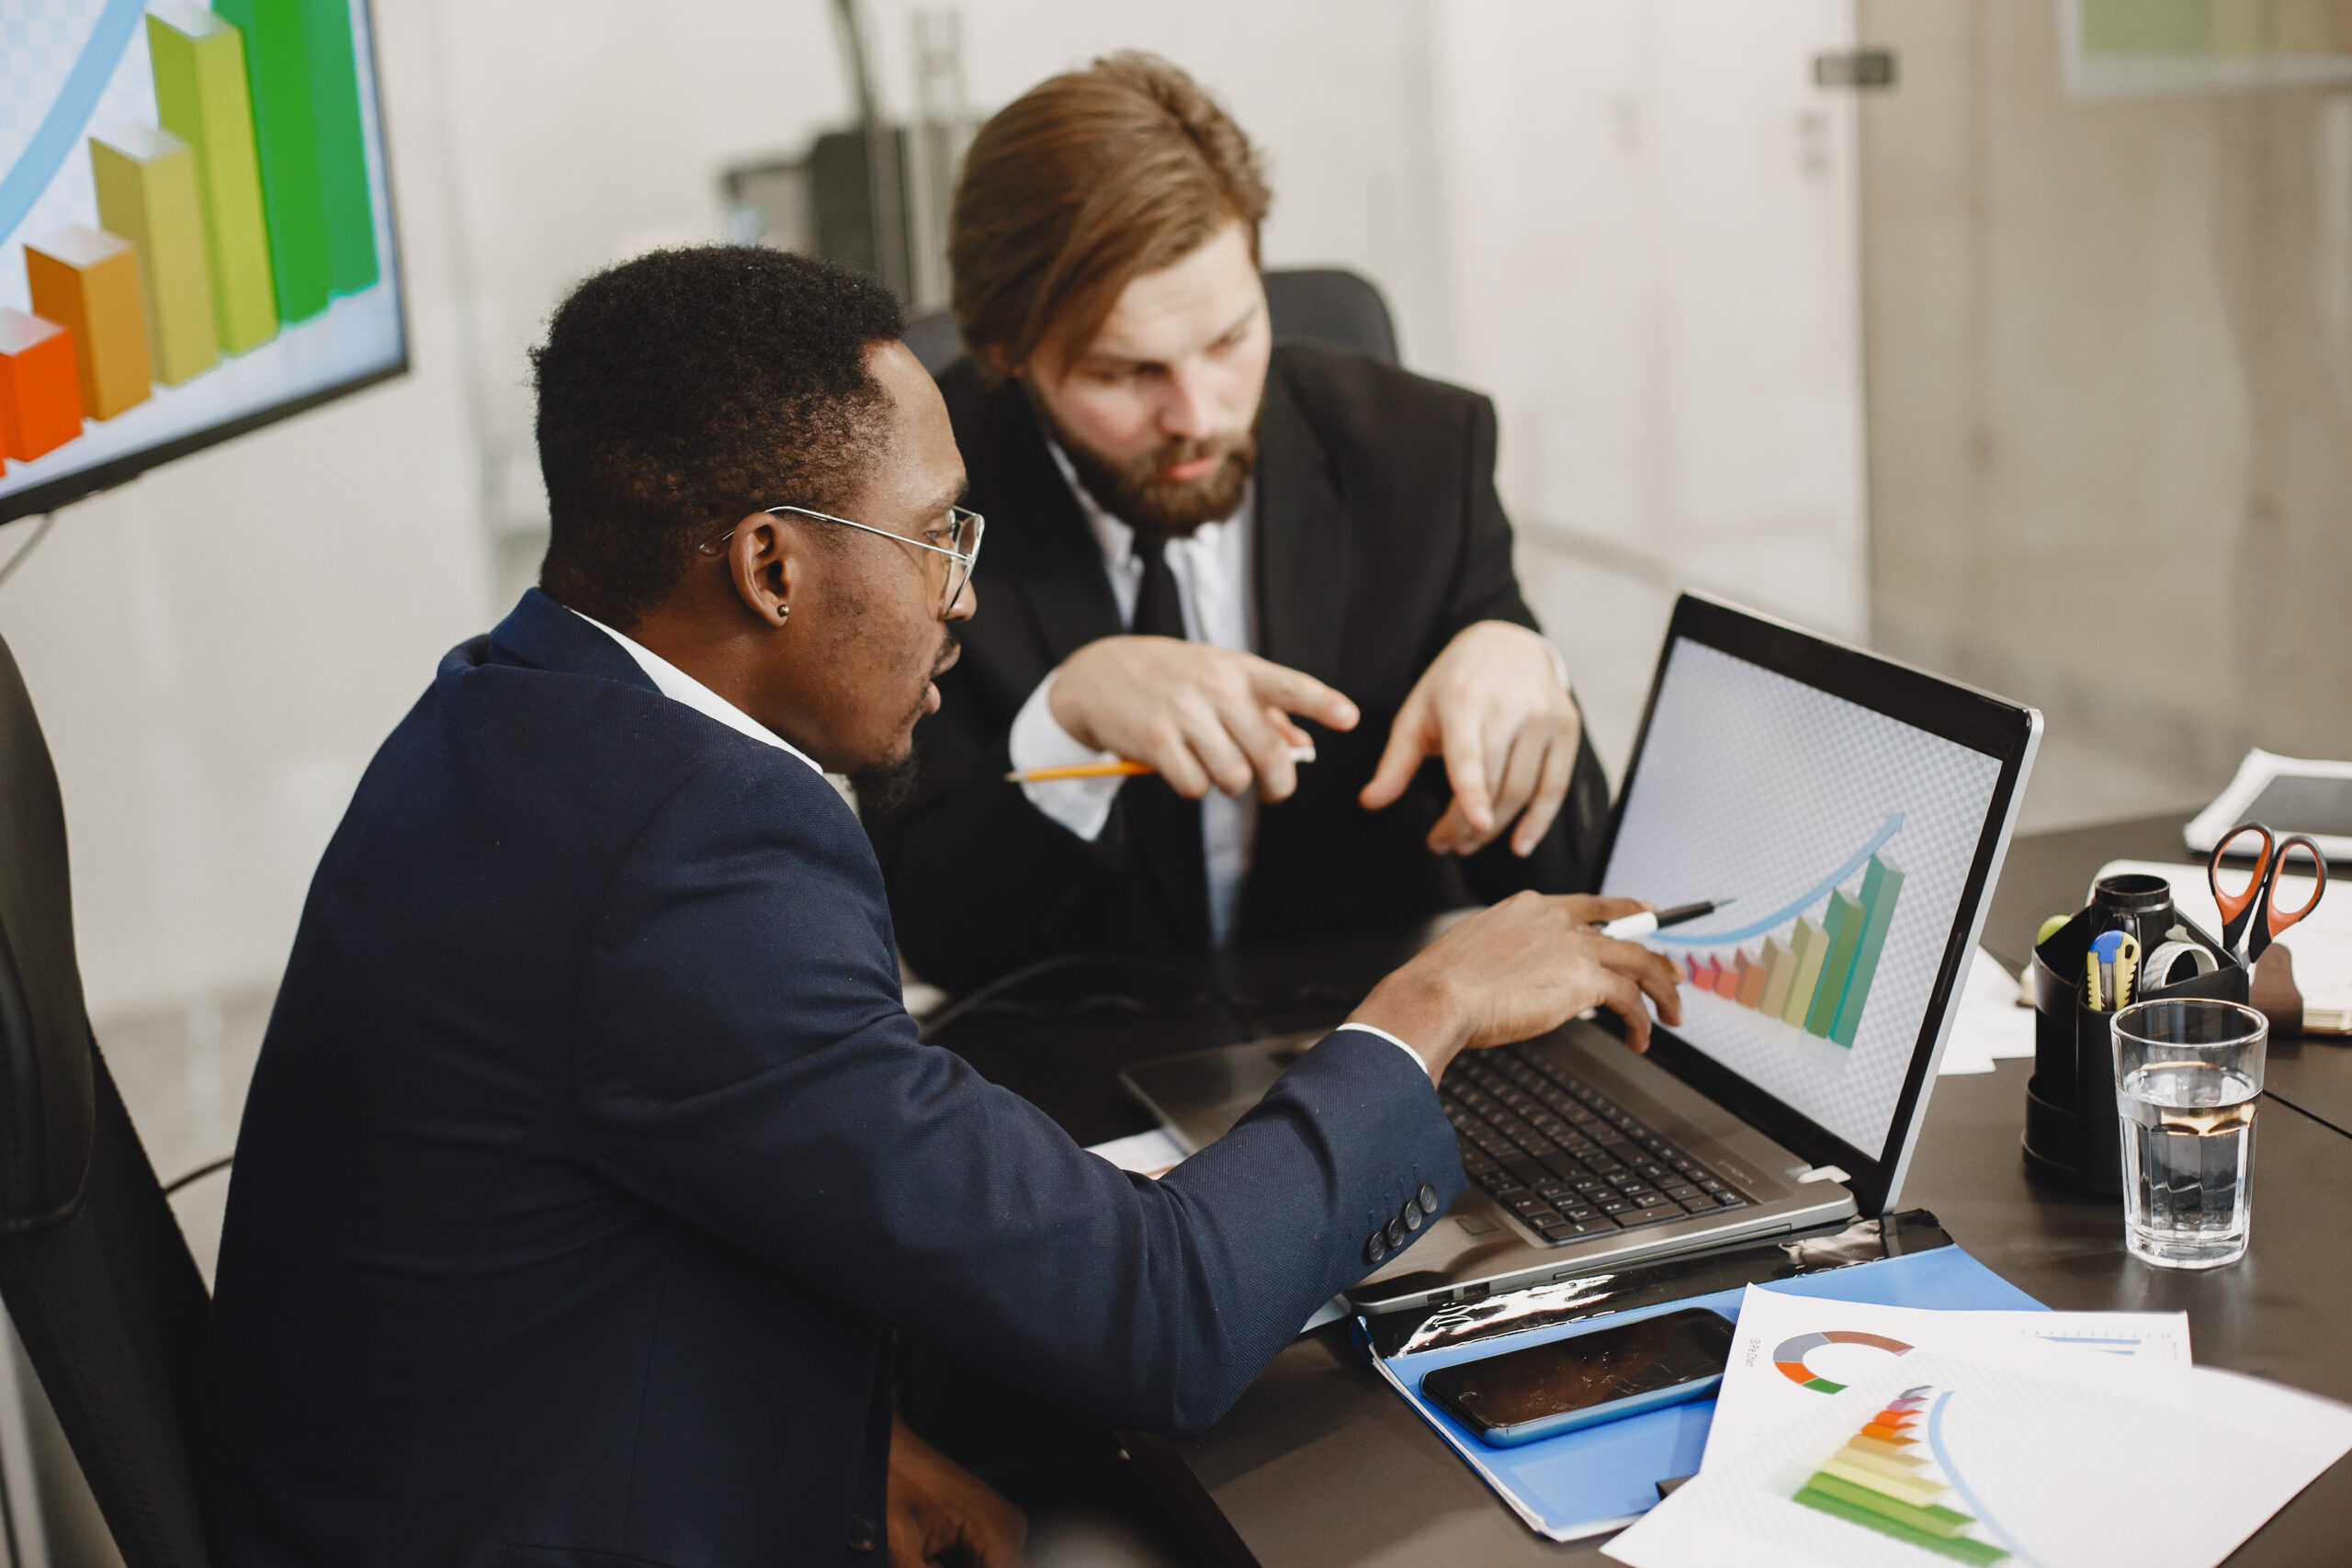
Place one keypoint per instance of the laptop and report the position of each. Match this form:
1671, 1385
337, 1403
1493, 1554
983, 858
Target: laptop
1856, 813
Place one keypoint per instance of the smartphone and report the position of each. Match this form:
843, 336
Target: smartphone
1583, 1380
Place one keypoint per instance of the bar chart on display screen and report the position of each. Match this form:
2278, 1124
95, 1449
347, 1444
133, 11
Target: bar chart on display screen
194, 216
1819, 955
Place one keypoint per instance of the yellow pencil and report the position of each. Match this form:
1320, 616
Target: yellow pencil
1119, 769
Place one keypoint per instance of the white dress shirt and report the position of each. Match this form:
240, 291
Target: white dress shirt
1213, 585
680, 687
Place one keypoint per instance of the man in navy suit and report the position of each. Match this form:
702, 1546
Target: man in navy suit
592, 1154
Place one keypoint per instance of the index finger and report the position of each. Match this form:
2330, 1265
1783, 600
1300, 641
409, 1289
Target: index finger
1294, 691
1465, 767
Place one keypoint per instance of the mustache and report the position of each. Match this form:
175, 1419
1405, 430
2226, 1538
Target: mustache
1187, 449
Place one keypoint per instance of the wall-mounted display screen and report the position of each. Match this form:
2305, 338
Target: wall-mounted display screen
196, 230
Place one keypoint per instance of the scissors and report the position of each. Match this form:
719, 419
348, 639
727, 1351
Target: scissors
2251, 918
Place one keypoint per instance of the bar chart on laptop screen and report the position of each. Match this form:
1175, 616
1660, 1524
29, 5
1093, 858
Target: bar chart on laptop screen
194, 225
1845, 838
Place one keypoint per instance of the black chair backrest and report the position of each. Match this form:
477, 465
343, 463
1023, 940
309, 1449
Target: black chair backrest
1330, 306
1326, 305
97, 1276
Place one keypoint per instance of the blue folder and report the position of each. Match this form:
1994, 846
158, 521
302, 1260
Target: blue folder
1602, 1478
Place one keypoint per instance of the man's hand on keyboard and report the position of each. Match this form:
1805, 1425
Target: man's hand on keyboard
1517, 970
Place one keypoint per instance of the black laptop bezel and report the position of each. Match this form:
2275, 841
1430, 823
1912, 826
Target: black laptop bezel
1978, 720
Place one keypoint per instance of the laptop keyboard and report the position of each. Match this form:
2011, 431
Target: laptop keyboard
1564, 1158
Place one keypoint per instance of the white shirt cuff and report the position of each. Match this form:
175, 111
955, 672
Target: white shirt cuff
1038, 740
1367, 1029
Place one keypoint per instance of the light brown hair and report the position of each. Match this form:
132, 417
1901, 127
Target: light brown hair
1080, 185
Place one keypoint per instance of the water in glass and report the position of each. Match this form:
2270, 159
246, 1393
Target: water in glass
2189, 1148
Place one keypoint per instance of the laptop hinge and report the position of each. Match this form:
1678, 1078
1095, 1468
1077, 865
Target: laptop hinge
1818, 1173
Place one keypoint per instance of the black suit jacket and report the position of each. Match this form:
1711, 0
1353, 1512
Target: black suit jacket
1378, 536
591, 1152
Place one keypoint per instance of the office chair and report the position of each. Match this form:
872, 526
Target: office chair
1326, 305
92, 1266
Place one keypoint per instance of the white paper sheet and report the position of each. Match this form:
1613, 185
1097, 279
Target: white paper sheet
1988, 1026
1760, 1393
2038, 1461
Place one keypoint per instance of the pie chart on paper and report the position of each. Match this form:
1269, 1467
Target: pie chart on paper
1791, 1357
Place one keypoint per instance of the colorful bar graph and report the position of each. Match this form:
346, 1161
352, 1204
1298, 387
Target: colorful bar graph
88, 282
278, 69
1752, 974
1844, 925
1875, 1480
306, 127
343, 147
201, 99
1781, 963
1881, 883
1727, 976
1810, 945
41, 389
146, 181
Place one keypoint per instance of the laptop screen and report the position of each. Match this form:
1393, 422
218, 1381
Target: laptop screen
1845, 838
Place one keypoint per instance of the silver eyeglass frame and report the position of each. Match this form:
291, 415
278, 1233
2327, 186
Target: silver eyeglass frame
956, 580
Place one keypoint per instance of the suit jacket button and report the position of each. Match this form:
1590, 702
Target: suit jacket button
863, 1536
1411, 1217
1376, 1246
1427, 1199
1396, 1232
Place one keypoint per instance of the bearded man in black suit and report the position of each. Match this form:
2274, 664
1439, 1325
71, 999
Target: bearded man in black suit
1212, 555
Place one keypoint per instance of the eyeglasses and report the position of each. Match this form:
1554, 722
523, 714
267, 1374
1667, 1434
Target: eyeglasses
962, 529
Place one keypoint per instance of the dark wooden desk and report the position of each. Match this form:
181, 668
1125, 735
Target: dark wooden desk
1319, 1465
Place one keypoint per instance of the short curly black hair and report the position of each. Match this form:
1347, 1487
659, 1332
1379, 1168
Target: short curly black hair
684, 389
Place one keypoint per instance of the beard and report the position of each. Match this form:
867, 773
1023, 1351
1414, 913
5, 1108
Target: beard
1164, 509
884, 789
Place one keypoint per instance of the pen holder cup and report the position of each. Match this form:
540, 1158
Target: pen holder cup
2071, 1134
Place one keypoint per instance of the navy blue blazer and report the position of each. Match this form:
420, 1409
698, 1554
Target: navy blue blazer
591, 1152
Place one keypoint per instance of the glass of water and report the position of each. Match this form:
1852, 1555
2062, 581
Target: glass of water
2188, 1075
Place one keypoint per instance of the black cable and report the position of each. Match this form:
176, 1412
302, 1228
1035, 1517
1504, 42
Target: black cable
199, 1173
992, 998
47, 520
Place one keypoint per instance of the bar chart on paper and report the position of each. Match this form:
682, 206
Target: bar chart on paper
192, 199
1813, 969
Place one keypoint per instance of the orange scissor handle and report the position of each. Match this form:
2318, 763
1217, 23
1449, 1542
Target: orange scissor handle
2237, 906
2274, 919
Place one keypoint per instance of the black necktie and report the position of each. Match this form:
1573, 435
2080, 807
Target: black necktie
1167, 877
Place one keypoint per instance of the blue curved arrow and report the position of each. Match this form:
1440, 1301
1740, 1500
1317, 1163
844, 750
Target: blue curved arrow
1788, 912
54, 138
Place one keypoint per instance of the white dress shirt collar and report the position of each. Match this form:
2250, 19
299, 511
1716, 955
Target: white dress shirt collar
679, 686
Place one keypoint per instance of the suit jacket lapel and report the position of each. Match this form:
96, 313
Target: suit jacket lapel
1050, 551
1301, 539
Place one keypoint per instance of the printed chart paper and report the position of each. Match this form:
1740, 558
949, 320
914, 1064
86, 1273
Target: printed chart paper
1794, 1351
2040, 1460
